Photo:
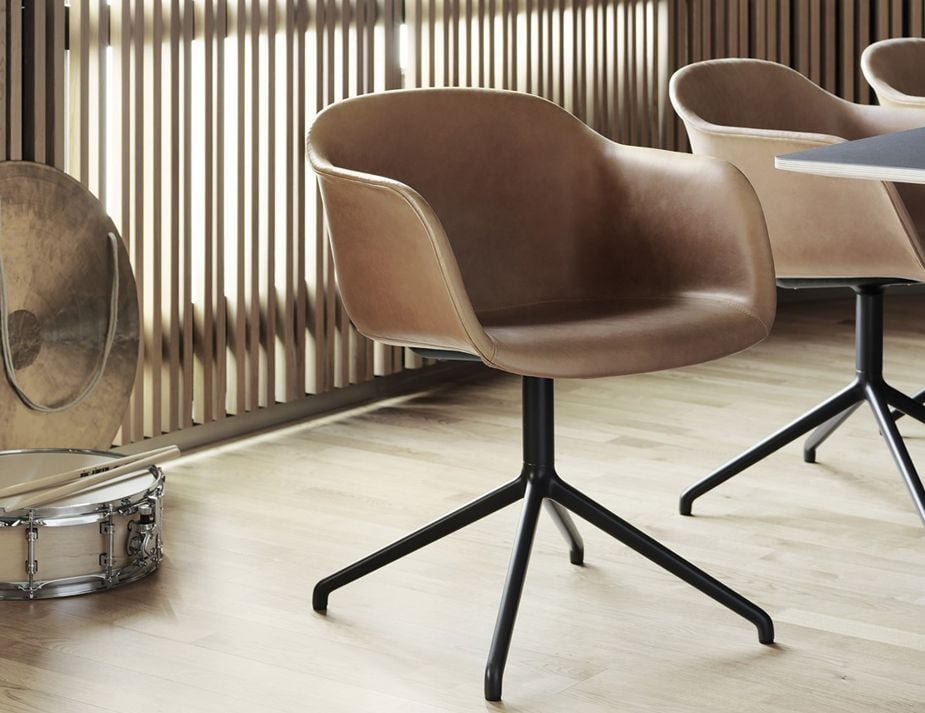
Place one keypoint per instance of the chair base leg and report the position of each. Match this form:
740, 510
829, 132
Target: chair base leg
536, 489
918, 397
559, 494
825, 412
909, 406
564, 522
823, 420
537, 484
513, 588
818, 437
878, 395
651, 549
446, 525
880, 403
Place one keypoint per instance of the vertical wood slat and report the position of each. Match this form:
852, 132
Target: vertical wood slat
238, 402
187, 315
804, 38
773, 31
540, 59
786, 20
204, 399
78, 70
156, 246
326, 309
432, 40
644, 73
138, 122
251, 306
97, 78
58, 158
340, 329
4, 81
815, 40
267, 290
864, 37
289, 310
177, 246
829, 37
155, 254
16, 81
882, 24
40, 79
761, 29
120, 19
220, 299
301, 236
732, 28
315, 322
846, 61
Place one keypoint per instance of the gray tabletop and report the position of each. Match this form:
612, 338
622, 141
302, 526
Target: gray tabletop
898, 157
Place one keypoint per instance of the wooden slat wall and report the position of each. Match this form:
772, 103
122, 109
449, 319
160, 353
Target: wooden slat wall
187, 118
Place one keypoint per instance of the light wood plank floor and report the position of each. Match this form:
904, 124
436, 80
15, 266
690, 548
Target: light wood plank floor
834, 551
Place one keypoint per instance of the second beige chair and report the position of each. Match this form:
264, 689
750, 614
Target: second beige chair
864, 235
895, 69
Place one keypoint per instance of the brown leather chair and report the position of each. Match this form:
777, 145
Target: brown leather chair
494, 226
895, 69
865, 235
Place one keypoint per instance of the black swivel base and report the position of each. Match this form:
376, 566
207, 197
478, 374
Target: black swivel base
868, 385
536, 484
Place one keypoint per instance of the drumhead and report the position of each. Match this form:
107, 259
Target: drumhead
25, 465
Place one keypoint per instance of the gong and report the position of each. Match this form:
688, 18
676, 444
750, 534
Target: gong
70, 330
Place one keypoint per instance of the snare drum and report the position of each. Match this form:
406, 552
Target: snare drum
96, 539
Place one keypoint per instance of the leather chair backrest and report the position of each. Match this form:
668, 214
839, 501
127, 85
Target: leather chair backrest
508, 175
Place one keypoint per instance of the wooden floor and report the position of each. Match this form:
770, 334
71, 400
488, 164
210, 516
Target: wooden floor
834, 551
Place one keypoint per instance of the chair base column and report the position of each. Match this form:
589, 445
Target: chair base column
538, 483
868, 386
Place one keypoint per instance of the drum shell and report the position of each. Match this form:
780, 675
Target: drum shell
61, 550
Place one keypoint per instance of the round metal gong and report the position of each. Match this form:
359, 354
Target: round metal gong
58, 271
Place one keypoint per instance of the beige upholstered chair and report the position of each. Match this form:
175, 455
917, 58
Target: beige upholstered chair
865, 235
896, 71
494, 226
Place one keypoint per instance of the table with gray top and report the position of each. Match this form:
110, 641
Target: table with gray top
898, 157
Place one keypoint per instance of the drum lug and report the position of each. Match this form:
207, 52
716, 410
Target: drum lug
32, 564
107, 560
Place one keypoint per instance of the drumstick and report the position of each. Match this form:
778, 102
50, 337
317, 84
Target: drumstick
163, 454
45, 497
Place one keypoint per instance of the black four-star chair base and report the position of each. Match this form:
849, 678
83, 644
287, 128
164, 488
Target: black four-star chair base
868, 386
539, 483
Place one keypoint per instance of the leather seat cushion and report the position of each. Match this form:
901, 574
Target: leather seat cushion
587, 339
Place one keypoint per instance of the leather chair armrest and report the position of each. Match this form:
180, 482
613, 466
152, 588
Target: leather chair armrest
405, 287
700, 223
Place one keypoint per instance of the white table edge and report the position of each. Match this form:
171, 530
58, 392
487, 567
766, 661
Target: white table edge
851, 170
